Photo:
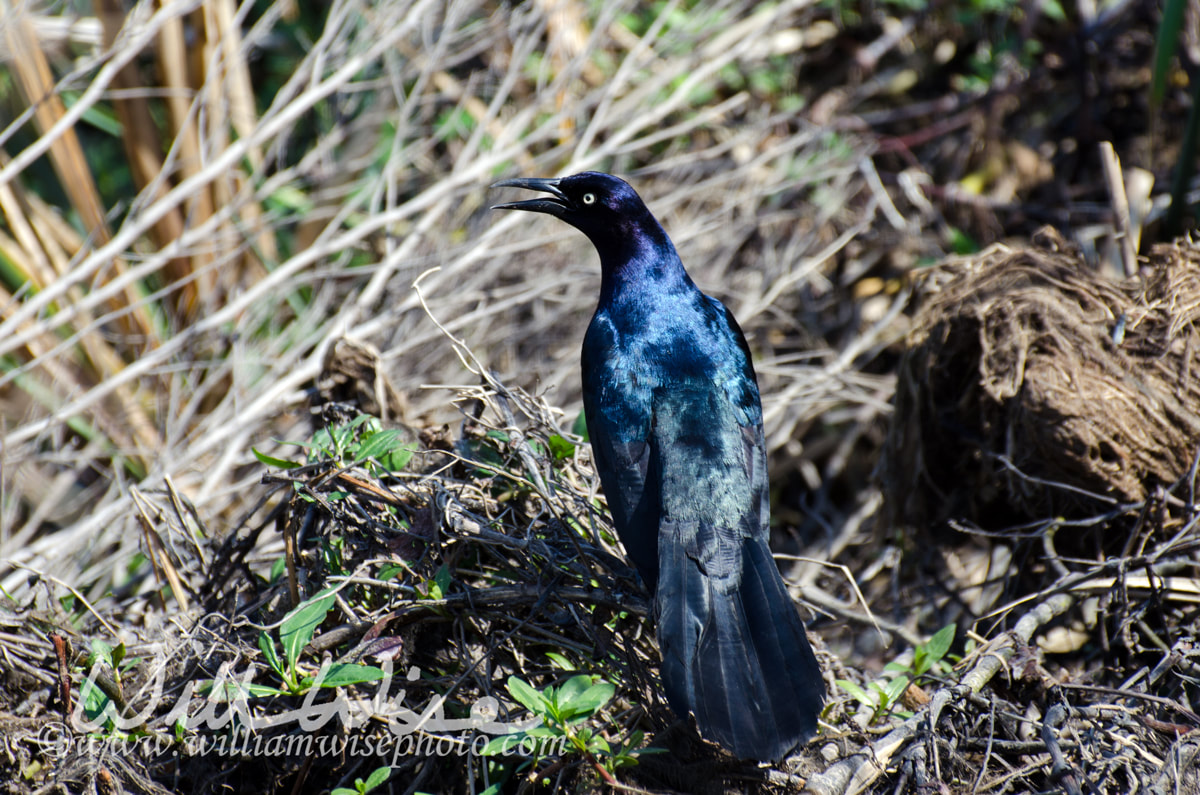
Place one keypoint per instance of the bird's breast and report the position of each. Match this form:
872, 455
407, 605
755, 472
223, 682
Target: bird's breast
655, 339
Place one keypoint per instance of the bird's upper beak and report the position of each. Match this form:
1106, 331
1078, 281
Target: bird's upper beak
556, 204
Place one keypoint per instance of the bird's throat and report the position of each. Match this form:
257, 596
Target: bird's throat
637, 265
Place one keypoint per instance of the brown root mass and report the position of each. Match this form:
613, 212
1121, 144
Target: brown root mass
1033, 386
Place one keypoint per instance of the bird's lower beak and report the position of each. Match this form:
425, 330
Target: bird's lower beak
556, 204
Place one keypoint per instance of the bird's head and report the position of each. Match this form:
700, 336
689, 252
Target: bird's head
603, 207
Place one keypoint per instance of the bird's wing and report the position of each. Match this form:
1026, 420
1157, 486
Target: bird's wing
740, 385
709, 477
624, 468
734, 648
617, 409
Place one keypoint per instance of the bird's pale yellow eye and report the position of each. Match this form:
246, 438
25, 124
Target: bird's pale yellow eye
589, 198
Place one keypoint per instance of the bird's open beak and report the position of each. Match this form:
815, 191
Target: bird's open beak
556, 204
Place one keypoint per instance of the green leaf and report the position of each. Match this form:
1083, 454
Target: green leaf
136, 561
455, 123
572, 689
928, 654
940, 643
1053, 10
560, 447
343, 674
301, 624
94, 700
271, 461
502, 744
893, 690
1164, 48
372, 422
579, 698
531, 699
398, 459
267, 645
96, 115
440, 583
560, 661
277, 569
390, 571
321, 444
598, 745
289, 197
102, 652
378, 443
595, 697
234, 691
484, 455
857, 693
388, 448
960, 242
377, 777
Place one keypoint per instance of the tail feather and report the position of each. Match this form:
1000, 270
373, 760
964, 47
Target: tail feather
735, 654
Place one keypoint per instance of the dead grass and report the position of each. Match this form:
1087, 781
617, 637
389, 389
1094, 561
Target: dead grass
265, 261
365, 206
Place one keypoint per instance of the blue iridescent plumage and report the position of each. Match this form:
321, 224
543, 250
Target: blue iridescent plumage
675, 422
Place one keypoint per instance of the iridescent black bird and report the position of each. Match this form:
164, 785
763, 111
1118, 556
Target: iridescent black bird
675, 422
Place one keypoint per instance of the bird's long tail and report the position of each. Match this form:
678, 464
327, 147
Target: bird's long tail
735, 654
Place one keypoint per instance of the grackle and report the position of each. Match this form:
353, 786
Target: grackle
673, 413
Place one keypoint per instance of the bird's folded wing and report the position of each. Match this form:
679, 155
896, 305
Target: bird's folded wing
734, 649
624, 467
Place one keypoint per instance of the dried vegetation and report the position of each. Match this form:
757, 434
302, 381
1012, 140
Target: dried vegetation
226, 228
1026, 369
